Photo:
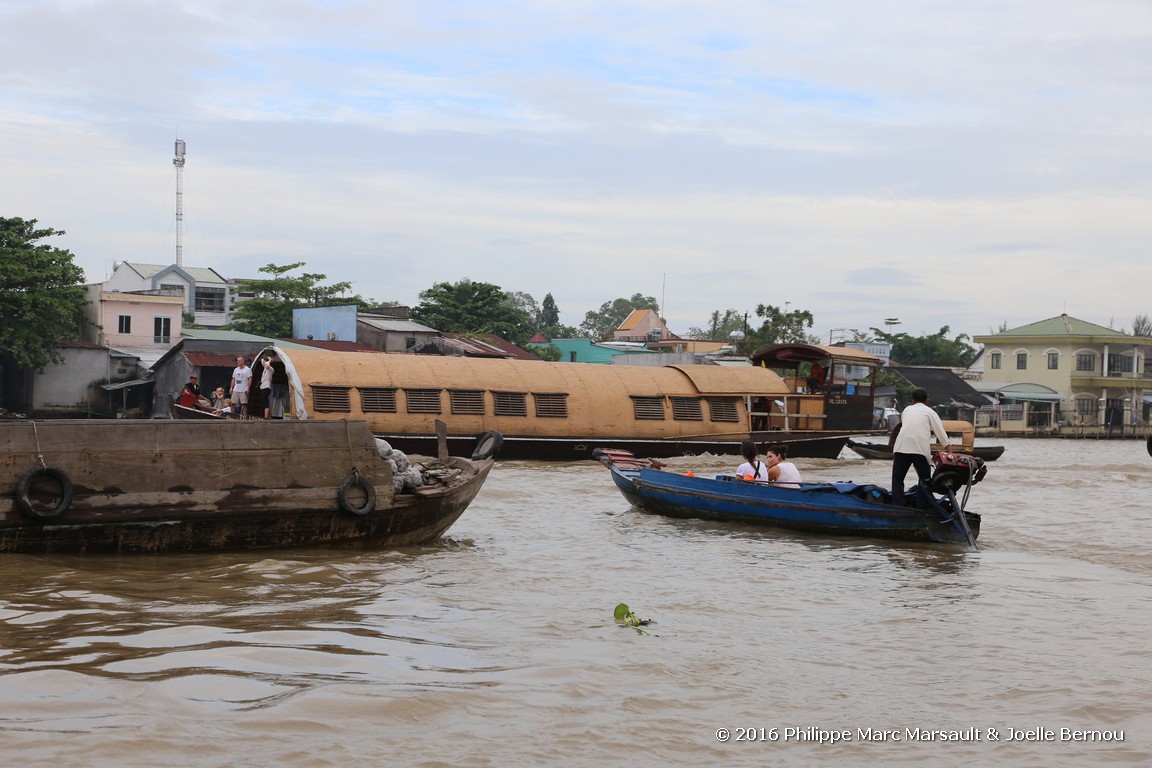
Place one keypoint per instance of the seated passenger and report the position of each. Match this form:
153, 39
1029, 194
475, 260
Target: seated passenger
190, 395
781, 471
752, 469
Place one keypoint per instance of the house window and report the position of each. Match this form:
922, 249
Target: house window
124, 324
162, 330
648, 408
1021, 361
551, 405
722, 409
1118, 364
209, 299
510, 403
994, 361
687, 409
378, 399
175, 290
1053, 361
468, 402
331, 399
1085, 362
422, 400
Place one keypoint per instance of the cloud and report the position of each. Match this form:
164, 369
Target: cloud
937, 162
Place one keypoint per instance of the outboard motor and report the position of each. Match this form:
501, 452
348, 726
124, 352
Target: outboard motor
952, 471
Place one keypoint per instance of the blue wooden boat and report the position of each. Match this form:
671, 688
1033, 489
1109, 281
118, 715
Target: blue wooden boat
933, 513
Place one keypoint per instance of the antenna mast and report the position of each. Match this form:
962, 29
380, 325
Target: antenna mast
178, 161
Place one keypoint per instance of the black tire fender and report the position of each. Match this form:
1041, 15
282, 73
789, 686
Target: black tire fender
24, 493
488, 446
356, 480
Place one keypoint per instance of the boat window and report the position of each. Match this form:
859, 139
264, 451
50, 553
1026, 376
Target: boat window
687, 409
723, 409
467, 401
554, 406
648, 408
422, 400
510, 403
378, 399
331, 399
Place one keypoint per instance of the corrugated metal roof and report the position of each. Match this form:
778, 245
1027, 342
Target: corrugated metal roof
385, 324
335, 346
202, 275
941, 384
200, 359
208, 334
147, 355
1018, 391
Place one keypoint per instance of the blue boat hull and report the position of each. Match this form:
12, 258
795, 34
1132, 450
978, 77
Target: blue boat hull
829, 508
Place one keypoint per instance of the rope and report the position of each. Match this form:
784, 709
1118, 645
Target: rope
39, 454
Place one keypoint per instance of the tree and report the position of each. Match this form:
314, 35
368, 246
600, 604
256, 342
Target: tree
935, 349
780, 326
269, 311
470, 307
1141, 326
549, 319
600, 325
720, 326
41, 295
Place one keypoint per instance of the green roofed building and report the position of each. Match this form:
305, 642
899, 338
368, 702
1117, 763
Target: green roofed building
1065, 374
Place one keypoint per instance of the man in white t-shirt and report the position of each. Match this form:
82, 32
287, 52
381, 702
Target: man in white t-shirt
913, 446
241, 381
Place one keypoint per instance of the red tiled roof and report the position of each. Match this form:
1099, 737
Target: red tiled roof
334, 346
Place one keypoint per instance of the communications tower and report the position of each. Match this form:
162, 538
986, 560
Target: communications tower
178, 161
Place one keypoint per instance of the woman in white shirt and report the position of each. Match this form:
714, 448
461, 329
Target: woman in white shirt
781, 471
752, 469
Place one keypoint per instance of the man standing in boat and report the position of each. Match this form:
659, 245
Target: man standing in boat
241, 380
913, 446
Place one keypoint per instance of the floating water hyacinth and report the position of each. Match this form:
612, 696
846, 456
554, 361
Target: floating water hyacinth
623, 615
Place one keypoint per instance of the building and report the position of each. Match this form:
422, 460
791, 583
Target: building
642, 326
139, 321
1064, 374
207, 297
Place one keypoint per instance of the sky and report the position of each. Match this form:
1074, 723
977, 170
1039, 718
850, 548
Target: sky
968, 164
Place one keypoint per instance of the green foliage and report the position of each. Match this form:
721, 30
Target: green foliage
548, 321
269, 311
549, 352
470, 307
935, 349
41, 294
623, 615
601, 325
720, 326
780, 326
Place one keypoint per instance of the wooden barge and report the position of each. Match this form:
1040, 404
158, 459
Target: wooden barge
161, 485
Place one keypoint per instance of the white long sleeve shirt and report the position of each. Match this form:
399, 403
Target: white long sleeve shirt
918, 423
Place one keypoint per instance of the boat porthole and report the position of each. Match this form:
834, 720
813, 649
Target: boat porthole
350, 500
29, 491
488, 446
